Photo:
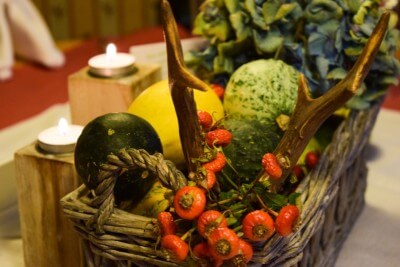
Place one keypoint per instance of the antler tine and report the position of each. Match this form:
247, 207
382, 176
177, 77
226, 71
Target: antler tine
365, 60
176, 65
310, 113
182, 83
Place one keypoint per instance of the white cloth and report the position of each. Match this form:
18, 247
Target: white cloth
24, 32
375, 237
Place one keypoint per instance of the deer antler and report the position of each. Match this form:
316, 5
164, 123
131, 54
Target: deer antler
310, 113
181, 82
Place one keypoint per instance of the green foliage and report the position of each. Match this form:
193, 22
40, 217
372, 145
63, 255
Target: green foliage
320, 38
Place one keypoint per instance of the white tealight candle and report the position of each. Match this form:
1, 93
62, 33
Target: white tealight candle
60, 139
112, 64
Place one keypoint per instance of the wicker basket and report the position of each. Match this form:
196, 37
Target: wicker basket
332, 196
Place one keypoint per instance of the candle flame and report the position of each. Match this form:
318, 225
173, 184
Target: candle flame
63, 126
111, 50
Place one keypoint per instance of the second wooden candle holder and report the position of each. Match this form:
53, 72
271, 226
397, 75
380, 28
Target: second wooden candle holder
91, 96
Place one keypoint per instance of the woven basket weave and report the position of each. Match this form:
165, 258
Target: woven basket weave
332, 196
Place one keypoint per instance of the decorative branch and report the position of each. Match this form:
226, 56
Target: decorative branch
310, 113
182, 83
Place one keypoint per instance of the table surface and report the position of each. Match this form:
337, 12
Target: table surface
375, 237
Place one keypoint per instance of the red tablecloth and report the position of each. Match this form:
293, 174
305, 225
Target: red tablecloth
33, 88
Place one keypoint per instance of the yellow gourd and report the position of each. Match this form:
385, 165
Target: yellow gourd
155, 105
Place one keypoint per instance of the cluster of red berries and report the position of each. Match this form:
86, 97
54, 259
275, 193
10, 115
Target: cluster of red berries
215, 137
219, 243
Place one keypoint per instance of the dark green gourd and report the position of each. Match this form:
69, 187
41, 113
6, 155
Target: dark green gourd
251, 140
109, 134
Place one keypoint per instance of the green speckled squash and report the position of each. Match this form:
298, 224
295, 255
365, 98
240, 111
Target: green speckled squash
250, 141
262, 90
109, 134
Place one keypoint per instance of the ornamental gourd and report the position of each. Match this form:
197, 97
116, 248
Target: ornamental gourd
262, 90
109, 134
251, 140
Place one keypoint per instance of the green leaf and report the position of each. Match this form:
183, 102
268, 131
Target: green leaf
269, 11
387, 80
358, 18
258, 20
336, 74
358, 103
353, 51
375, 95
353, 5
272, 200
219, 30
223, 64
293, 197
232, 6
239, 22
319, 11
322, 65
285, 10
199, 24
267, 42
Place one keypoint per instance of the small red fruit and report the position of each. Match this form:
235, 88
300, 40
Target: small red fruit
189, 202
244, 256
258, 225
166, 223
201, 251
210, 179
286, 219
217, 164
312, 159
271, 166
223, 243
218, 89
209, 221
218, 137
298, 171
205, 119
175, 246
246, 250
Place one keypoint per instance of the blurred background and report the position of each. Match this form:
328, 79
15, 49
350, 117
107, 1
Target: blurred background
77, 19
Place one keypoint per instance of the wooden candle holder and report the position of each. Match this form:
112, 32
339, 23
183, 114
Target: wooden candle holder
48, 236
91, 96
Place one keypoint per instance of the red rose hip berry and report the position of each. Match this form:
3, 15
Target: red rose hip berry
175, 247
312, 159
286, 219
271, 166
217, 164
223, 243
218, 89
209, 221
166, 223
258, 225
218, 137
205, 119
189, 202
